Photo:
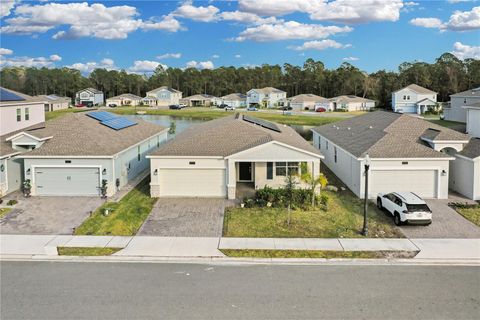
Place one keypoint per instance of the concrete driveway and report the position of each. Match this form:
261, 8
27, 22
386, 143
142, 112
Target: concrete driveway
447, 223
197, 217
47, 215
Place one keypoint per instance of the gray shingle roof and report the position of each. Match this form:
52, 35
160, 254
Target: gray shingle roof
268, 90
91, 90
164, 88
388, 135
6, 146
229, 135
417, 89
200, 96
475, 92
235, 96
350, 98
472, 149
126, 96
77, 134
307, 97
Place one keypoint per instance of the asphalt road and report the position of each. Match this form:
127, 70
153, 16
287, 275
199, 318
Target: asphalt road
67, 290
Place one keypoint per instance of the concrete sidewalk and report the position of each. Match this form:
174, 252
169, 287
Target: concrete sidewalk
154, 247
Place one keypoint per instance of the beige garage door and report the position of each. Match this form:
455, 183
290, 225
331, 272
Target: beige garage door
421, 182
192, 183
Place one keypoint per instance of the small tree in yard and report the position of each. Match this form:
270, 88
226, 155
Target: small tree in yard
290, 184
313, 182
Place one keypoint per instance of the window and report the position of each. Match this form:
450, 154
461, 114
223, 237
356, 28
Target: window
326, 145
19, 115
138, 153
158, 142
464, 100
335, 154
27, 114
281, 168
303, 168
319, 142
408, 97
404, 97
269, 170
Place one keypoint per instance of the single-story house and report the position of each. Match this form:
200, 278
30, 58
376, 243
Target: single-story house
73, 154
200, 100
352, 103
162, 97
465, 170
54, 102
126, 99
213, 158
406, 153
414, 99
309, 102
235, 100
89, 96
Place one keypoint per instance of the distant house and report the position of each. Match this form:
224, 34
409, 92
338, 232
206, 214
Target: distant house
200, 100
54, 102
126, 99
162, 97
352, 103
235, 100
309, 102
459, 103
89, 96
473, 119
413, 99
267, 97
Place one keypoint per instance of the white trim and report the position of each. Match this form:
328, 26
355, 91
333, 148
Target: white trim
190, 168
7, 156
26, 156
28, 135
34, 167
470, 107
467, 158
319, 156
150, 156
444, 141
408, 159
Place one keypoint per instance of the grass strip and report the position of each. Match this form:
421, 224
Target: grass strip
86, 251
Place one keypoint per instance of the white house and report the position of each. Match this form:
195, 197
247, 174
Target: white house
235, 100
473, 119
465, 170
162, 97
458, 101
126, 99
54, 102
413, 99
213, 158
351, 103
89, 96
200, 100
309, 101
407, 153
267, 97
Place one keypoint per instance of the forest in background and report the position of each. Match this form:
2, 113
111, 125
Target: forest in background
447, 75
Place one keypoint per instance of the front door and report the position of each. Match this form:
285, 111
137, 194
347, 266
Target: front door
245, 173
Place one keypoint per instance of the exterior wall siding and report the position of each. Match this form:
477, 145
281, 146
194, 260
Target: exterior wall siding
473, 122
8, 116
456, 112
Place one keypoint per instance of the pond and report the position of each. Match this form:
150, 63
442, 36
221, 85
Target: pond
183, 123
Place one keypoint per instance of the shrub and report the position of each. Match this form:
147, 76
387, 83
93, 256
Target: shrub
12, 202
324, 201
277, 197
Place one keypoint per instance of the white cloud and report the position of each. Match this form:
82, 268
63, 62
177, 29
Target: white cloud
144, 66
245, 17
215, 56
6, 7
83, 20
55, 57
238, 56
169, 56
5, 51
88, 67
463, 51
344, 11
200, 64
203, 14
289, 30
320, 45
459, 21
427, 23
350, 59
37, 62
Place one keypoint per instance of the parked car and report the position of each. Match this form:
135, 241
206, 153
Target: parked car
252, 108
79, 105
227, 108
287, 108
112, 105
175, 107
222, 106
182, 105
405, 207
321, 109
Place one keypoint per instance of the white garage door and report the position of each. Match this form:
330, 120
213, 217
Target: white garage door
67, 181
192, 183
421, 182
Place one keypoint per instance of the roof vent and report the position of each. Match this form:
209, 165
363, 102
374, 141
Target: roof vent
348, 128
370, 127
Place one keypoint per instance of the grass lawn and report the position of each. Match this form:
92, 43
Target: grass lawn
86, 251
471, 213
58, 113
127, 216
4, 211
317, 254
447, 123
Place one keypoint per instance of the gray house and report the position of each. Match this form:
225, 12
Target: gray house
89, 96
73, 154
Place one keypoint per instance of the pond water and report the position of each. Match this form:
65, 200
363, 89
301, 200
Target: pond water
183, 123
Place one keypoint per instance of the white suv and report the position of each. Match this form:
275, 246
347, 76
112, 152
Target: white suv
405, 207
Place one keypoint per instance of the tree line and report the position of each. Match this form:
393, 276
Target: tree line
447, 75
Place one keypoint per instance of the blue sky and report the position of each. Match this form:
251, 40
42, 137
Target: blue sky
138, 35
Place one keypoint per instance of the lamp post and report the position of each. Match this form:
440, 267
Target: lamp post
365, 200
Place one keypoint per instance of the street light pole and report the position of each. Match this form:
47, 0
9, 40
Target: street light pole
365, 200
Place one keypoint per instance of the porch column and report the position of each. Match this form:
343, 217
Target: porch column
316, 171
231, 180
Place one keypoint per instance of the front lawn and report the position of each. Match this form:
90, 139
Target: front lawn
126, 216
86, 251
471, 213
50, 115
4, 211
447, 123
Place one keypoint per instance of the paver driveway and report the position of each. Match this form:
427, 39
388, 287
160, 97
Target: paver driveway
197, 217
447, 223
47, 215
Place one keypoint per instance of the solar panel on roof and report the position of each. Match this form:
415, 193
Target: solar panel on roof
102, 115
118, 123
262, 123
6, 95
